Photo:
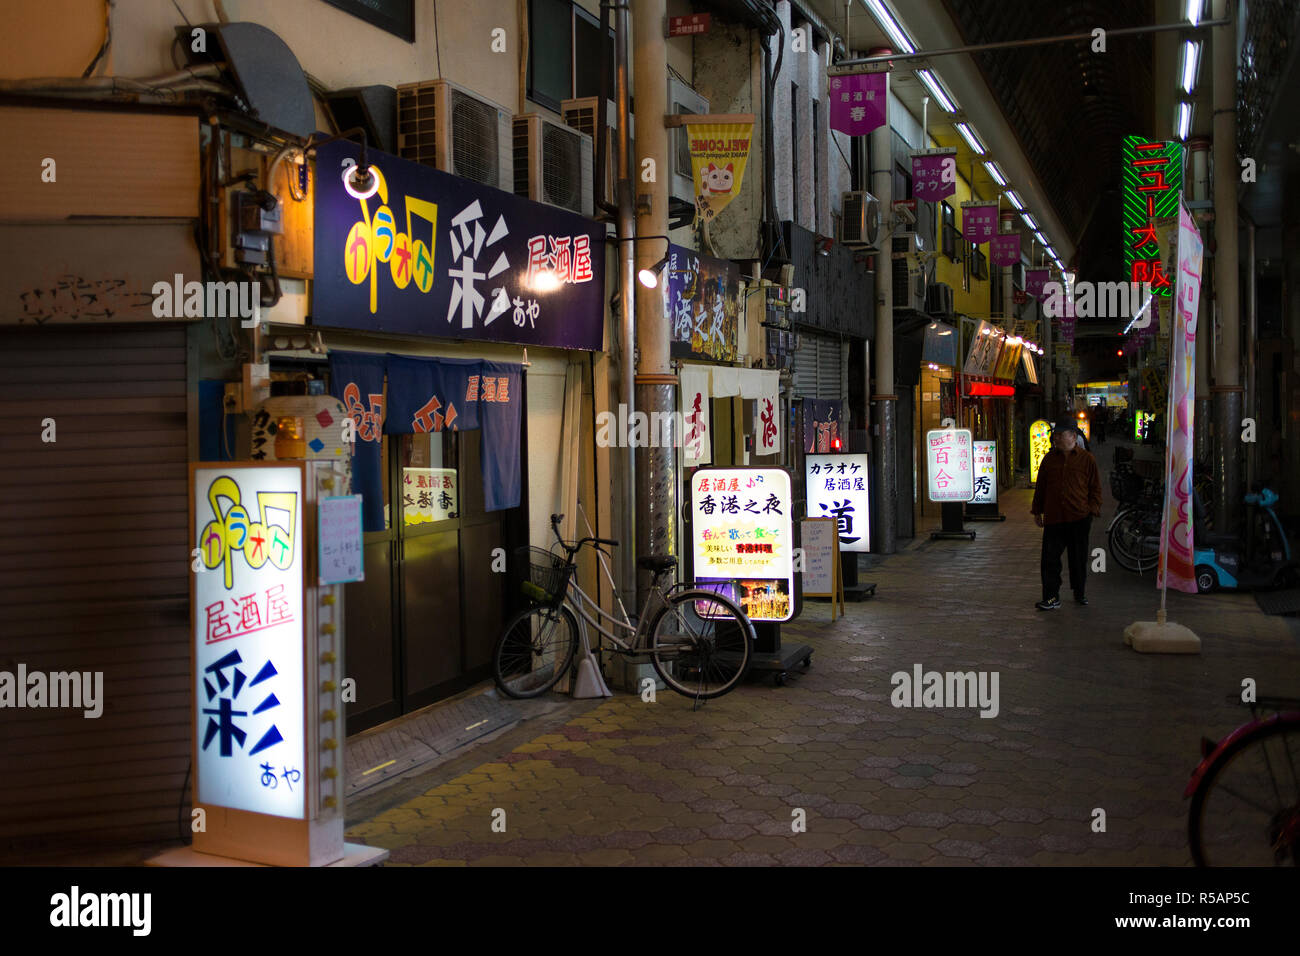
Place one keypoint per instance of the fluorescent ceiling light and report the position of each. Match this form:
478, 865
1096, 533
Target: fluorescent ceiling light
1042, 240
1184, 120
1029, 221
1191, 56
933, 84
972, 140
1015, 200
891, 26
996, 173
1194, 11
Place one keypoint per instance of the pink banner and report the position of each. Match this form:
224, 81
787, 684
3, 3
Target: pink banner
1034, 281
934, 175
1177, 563
1004, 249
857, 103
979, 222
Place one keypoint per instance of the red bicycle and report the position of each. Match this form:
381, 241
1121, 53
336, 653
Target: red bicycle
1246, 791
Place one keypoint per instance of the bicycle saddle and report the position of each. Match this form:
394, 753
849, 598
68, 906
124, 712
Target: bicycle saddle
656, 562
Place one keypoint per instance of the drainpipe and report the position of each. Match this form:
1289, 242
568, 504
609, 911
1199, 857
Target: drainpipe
656, 466
882, 187
627, 299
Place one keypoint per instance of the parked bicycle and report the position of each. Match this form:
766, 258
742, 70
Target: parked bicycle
699, 641
1133, 535
1245, 792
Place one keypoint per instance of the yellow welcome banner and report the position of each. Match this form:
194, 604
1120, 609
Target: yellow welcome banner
719, 151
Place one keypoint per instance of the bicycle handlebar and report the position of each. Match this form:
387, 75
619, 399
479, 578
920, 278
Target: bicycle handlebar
575, 548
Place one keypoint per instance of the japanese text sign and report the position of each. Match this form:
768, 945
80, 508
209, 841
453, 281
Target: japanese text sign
934, 174
1004, 249
428, 494
979, 221
1040, 443
702, 305
836, 486
697, 439
767, 416
857, 102
743, 538
986, 473
433, 254
985, 347
247, 614
690, 25
339, 544
951, 458
1035, 279
1152, 182
719, 152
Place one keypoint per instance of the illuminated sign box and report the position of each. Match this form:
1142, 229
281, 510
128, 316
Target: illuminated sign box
986, 473
836, 486
1040, 443
952, 473
743, 538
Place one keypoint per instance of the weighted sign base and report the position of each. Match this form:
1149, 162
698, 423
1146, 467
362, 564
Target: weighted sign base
770, 657
952, 523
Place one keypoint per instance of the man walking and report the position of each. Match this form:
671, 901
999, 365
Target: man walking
1067, 498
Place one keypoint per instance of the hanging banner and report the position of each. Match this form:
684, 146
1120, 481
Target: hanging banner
951, 472
1176, 560
1035, 279
934, 173
697, 440
357, 379
985, 347
979, 221
1040, 443
702, 305
986, 473
470, 262
718, 155
821, 425
743, 539
250, 742
767, 416
836, 486
857, 102
1004, 249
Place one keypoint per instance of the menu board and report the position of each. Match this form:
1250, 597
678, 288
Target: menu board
818, 542
743, 538
339, 543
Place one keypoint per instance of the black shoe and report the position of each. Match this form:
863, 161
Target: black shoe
1081, 599
1051, 604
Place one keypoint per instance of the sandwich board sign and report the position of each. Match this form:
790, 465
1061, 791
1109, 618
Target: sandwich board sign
821, 561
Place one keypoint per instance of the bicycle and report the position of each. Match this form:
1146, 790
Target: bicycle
699, 641
1245, 792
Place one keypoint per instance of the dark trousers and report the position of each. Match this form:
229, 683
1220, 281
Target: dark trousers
1072, 538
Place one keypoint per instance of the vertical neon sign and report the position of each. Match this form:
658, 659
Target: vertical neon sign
1153, 181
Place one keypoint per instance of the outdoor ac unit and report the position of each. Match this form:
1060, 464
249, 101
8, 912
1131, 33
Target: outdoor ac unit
918, 222
910, 283
905, 244
581, 115
860, 226
682, 99
444, 125
939, 299
553, 164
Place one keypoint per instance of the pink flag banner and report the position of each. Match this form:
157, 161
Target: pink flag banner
934, 174
1004, 249
1177, 564
979, 221
857, 102
1035, 279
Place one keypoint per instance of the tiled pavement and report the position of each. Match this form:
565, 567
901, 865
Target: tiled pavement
1084, 723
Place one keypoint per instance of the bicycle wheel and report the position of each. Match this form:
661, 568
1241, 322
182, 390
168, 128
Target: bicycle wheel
700, 644
1131, 546
1246, 809
534, 651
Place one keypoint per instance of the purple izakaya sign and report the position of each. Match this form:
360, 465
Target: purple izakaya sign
979, 221
1034, 281
934, 174
857, 103
1004, 249
432, 254
702, 305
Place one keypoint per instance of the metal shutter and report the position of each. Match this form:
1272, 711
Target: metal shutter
94, 577
821, 368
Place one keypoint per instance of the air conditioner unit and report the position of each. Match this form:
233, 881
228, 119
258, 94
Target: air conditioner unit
939, 299
581, 115
682, 99
910, 283
905, 244
860, 225
444, 125
553, 164
918, 221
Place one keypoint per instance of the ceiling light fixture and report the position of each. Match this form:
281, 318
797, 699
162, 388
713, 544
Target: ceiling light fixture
1029, 221
995, 173
1014, 199
972, 138
1191, 59
935, 86
1184, 120
1194, 11
891, 26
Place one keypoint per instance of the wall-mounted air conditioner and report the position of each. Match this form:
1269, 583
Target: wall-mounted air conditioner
682, 99
860, 225
444, 125
918, 220
581, 115
939, 300
553, 164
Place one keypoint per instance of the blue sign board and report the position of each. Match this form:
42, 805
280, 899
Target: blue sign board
432, 254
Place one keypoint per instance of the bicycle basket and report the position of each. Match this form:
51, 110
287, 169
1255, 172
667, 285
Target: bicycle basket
548, 576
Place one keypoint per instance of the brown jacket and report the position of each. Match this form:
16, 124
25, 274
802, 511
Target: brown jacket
1069, 486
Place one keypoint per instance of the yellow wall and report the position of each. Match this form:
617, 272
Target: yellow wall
974, 303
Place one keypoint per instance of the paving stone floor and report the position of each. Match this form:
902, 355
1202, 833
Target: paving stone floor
1084, 723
